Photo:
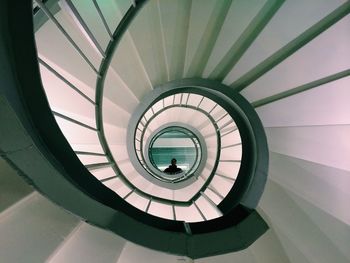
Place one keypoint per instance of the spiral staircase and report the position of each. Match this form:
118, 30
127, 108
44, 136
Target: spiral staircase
86, 92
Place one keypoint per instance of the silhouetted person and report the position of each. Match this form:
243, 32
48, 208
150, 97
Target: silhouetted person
173, 169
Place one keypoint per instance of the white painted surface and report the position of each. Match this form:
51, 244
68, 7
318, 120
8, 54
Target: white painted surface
330, 49
127, 64
199, 18
174, 19
324, 105
328, 145
238, 18
242, 256
150, 46
268, 249
292, 19
89, 244
293, 222
118, 92
133, 253
32, 231
51, 44
325, 187
295, 255
337, 231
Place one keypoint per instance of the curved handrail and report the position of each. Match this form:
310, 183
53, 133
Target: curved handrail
181, 175
99, 118
101, 73
33, 136
200, 87
158, 113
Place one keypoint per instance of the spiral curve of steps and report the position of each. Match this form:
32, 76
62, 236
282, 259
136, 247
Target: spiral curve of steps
288, 59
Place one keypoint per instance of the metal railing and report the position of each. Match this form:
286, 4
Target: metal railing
105, 54
222, 129
163, 176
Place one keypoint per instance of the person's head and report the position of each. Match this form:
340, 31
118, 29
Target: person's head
173, 161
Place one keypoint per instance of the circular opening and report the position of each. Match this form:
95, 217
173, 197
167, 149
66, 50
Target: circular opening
175, 151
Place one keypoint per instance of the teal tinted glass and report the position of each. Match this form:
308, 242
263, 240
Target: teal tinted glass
177, 143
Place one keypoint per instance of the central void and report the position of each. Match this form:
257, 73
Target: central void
175, 143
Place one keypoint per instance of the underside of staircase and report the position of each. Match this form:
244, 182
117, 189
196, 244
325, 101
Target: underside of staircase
261, 86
